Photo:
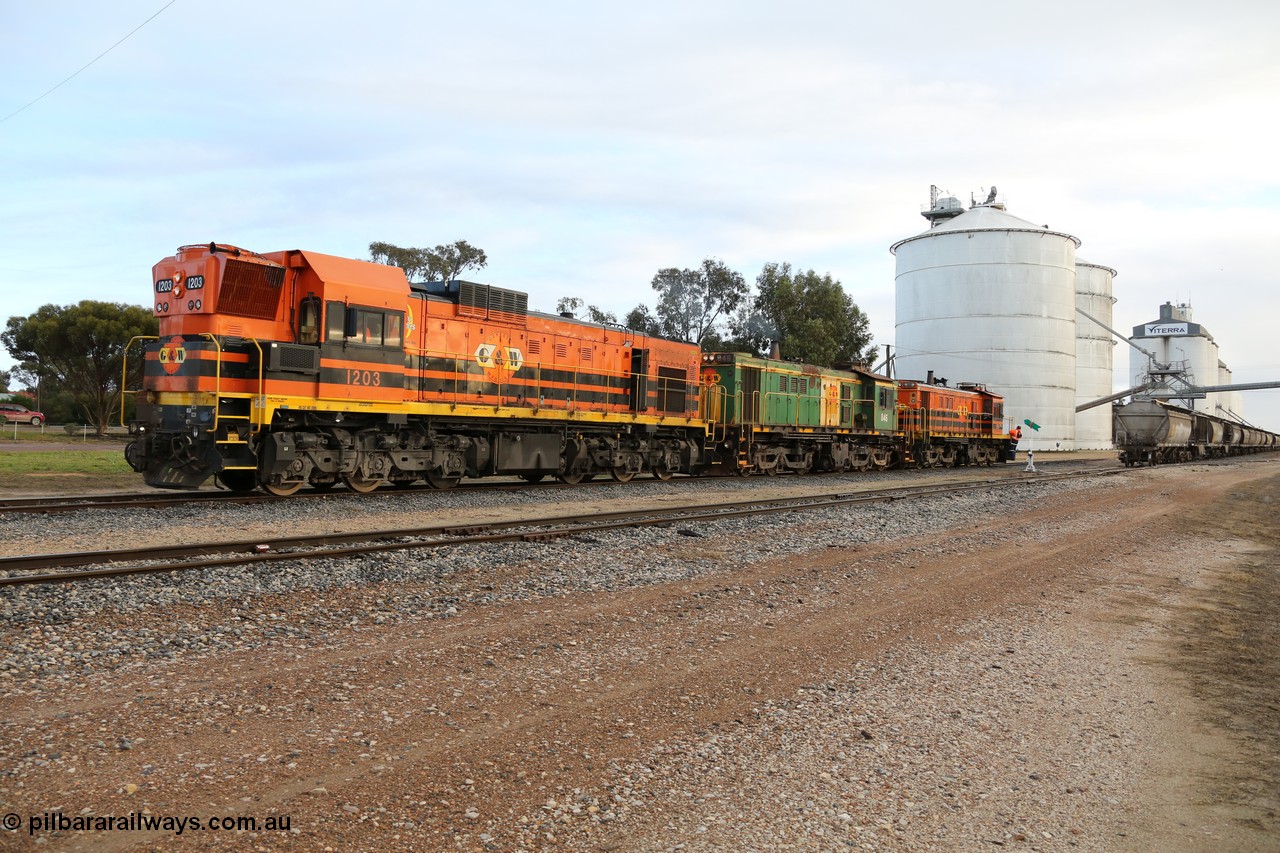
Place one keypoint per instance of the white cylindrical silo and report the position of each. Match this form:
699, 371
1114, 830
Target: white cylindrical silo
1205, 369
1095, 349
988, 297
1230, 403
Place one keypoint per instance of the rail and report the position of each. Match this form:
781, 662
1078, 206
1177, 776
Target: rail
336, 545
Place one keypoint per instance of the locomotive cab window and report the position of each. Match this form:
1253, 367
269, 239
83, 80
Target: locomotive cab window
393, 330
368, 327
337, 315
309, 321
356, 324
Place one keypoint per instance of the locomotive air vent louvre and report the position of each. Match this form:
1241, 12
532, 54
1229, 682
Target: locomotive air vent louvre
473, 299
562, 352
250, 290
496, 303
535, 347
509, 305
586, 355
294, 358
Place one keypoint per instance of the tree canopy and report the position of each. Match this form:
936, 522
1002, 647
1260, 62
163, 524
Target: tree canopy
445, 262
814, 320
693, 302
80, 347
572, 305
642, 320
810, 316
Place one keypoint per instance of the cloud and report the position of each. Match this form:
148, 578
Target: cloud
585, 146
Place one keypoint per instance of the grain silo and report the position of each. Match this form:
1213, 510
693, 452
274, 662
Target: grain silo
1095, 351
1230, 403
984, 296
1186, 354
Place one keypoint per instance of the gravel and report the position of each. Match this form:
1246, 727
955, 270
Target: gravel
724, 699
62, 630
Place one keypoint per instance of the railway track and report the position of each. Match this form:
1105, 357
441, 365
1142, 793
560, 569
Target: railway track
33, 569
153, 500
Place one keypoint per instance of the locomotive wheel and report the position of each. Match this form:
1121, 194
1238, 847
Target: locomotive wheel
771, 471
662, 474
359, 484
621, 475
437, 480
283, 490
572, 479
239, 481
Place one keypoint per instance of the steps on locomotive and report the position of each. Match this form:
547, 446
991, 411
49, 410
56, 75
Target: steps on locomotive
235, 427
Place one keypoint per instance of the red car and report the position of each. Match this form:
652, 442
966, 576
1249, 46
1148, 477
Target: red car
20, 414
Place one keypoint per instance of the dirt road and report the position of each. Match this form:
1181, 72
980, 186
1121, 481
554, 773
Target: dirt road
1089, 670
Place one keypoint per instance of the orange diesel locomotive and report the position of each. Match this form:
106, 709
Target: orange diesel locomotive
294, 368
944, 426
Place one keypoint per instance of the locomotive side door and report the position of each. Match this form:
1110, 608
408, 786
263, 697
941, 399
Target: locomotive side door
750, 396
830, 414
639, 380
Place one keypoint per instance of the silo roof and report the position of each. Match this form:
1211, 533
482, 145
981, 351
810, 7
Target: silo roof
1081, 262
985, 219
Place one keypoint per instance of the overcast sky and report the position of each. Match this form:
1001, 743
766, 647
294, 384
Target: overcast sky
586, 145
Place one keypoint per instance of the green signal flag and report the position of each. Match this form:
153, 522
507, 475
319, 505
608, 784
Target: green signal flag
1034, 426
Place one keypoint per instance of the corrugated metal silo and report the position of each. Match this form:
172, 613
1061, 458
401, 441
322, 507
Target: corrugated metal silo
987, 297
1181, 344
1095, 351
1230, 403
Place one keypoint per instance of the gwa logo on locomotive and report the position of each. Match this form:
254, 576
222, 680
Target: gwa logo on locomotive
172, 355
499, 360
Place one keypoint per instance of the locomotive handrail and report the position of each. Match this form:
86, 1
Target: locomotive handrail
124, 370
570, 393
256, 422
784, 397
217, 379
711, 404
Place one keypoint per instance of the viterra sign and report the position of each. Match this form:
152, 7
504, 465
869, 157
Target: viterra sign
1162, 330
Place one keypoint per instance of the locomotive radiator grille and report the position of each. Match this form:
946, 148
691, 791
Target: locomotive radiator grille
250, 290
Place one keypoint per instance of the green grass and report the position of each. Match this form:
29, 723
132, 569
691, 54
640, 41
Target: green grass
55, 435
17, 464
71, 471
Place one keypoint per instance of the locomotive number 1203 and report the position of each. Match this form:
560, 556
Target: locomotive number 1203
356, 376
